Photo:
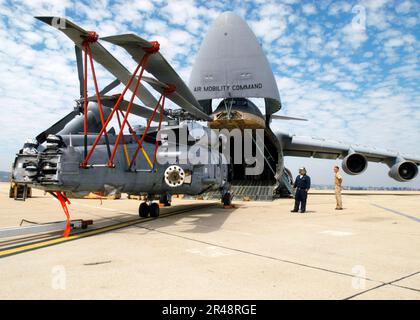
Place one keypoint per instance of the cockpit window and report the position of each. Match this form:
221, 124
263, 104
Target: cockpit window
239, 104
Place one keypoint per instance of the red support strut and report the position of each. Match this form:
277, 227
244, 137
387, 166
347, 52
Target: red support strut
141, 66
140, 143
89, 38
85, 101
124, 122
61, 197
167, 91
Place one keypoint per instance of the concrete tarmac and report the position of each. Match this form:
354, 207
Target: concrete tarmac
258, 250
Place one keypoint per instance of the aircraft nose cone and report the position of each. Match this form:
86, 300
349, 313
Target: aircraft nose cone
232, 64
228, 17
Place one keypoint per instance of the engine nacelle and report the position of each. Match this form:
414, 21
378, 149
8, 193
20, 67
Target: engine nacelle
354, 163
403, 171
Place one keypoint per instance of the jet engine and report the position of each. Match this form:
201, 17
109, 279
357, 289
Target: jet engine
403, 171
354, 163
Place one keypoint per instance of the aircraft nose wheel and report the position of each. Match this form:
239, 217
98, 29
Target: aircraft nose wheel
144, 210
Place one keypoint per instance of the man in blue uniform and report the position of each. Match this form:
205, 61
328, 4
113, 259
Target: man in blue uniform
302, 185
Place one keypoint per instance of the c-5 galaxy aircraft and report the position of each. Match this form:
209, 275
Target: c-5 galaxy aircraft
232, 66
82, 153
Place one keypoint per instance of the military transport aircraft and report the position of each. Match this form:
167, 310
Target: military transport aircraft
81, 152
232, 66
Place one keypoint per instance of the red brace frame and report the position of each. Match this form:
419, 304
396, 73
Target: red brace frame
93, 37
62, 198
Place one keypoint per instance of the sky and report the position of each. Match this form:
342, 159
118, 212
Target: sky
350, 67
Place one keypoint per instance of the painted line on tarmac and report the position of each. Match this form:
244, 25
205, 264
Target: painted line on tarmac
296, 263
54, 241
396, 212
390, 283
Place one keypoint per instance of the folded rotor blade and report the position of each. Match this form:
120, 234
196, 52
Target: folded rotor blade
140, 110
278, 117
162, 70
100, 55
109, 87
174, 96
56, 127
136, 109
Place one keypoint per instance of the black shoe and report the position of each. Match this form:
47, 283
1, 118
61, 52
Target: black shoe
293, 211
302, 211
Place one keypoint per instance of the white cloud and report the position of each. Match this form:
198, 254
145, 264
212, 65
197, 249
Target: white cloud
354, 37
308, 9
403, 7
314, 43
368, 54
337, 7
271, 21
346, 85
325, 68
411, 21
291, 61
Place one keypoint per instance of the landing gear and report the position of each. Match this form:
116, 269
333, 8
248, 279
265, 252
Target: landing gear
165, 199
148, 207
144, 210
154, 210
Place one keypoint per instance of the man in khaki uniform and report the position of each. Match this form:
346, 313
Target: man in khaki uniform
338, 183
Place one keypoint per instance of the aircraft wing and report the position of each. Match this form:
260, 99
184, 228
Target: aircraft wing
404, 167
162, 70
100, 55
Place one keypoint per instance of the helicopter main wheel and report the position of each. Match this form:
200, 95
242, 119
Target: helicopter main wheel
154, 210
144, 210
